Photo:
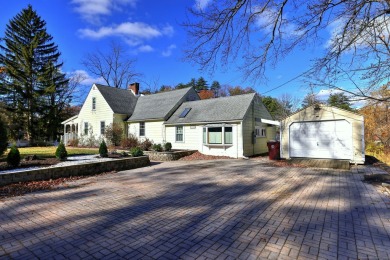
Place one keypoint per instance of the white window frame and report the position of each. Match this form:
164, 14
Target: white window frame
142, 128
177, 134
86, 128
261, 131
102, 130
206, 135
93, 103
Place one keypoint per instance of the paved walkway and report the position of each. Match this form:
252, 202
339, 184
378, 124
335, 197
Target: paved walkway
224, 209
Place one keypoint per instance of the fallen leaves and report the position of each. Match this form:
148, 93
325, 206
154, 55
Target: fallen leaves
21, 188
200, 156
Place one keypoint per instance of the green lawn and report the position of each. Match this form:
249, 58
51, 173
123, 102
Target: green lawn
46, 152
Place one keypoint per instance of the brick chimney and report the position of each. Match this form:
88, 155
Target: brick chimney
134, 87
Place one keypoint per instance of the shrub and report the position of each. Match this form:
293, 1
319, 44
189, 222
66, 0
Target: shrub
103, 149
114, 134
74, 142
3, 138
136, 151
157, 147
130, 141
146, 144
89, 140
167, 146
13, 157
61, 152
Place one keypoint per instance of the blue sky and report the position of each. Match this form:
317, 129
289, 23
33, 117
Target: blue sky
152, 34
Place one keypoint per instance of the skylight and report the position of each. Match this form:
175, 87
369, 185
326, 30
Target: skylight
185, 112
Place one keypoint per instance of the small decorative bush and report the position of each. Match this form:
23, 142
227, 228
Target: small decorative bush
114, 134
13, 157
130, 142
103, 149
61, 152
136, 151
157, 147
3, 138
74, 142
167, 146
146, 144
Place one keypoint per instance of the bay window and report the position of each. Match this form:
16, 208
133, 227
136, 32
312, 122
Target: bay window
218, 135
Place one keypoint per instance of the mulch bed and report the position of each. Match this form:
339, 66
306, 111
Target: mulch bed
21, 188
199, 156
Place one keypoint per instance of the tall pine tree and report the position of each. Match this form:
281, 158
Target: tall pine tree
31, 61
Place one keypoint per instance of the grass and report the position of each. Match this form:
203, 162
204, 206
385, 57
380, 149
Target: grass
49, 152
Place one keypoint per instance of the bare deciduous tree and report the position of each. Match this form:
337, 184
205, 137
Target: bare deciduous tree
259, 33
114, 67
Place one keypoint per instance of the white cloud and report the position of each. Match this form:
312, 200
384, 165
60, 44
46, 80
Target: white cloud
145, 48
133, 33
86, 79
168, 51
92, 10
201, 4
378, 28
324, 94
128, 29
265, 20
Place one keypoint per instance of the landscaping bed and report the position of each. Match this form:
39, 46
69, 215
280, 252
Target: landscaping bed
200, 156
35, 162
172, 155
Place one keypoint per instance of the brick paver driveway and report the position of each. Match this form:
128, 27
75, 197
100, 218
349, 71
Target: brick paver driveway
225, 209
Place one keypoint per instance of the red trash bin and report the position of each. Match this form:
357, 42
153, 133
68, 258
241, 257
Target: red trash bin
273, 150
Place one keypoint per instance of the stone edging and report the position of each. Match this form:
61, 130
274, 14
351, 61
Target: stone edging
168, 156
74, 170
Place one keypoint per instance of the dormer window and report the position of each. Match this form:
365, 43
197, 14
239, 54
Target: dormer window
93, 103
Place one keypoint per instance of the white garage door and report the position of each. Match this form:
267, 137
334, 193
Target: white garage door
322, 139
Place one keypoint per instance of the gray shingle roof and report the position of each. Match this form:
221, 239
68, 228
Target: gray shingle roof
160, 105
215, 110
121, 101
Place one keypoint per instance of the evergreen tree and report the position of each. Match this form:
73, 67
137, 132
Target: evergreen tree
3, 137
215, 87
201, 84
30, 59
61, 152
55, 98
192, 83
273, 106
340, 100
13, 157
103, 151
180, 86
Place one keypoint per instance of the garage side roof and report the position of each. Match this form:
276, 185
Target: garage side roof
308, 113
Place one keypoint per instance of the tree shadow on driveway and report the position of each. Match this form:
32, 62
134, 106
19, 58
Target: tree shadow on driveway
213, 209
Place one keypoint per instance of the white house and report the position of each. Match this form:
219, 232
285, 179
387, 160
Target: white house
323, 132
103, 106
234, 126
151, 111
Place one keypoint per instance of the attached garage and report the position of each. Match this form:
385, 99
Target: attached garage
323, 132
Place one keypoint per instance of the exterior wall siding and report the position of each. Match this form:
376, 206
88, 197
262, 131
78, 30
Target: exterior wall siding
193, 139
103, 112
256, 111
154, 131
327, 113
